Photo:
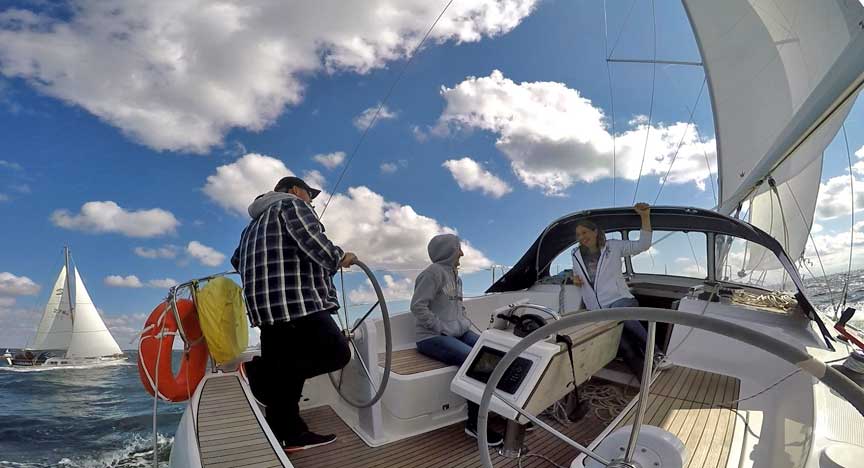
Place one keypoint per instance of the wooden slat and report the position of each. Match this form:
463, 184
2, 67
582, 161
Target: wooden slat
229, 434
683, 401
410, 361
446, 447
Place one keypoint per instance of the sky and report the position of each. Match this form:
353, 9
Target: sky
138, 132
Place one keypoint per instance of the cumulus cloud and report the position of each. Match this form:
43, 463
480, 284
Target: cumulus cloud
118, 281
315, 179
234, 186
330, 160
179, 75
383, 233
365, 119
394, 289
470, 175
835, 197
389, 168
167, 251
162, 283
554, 137
387, 234
207, 256
13, 285
109, 217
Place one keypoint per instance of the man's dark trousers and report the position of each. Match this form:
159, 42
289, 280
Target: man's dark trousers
292, 352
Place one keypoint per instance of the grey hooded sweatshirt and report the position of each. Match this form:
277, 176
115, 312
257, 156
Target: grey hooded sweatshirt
437, 301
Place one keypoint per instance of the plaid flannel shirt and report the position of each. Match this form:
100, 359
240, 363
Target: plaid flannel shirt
286, 264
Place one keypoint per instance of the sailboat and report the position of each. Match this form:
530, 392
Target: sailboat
753, 382
71, 331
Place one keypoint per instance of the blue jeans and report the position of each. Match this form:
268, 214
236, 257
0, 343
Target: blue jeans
633, 339
452, 351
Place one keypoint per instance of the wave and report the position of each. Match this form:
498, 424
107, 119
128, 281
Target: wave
137, 452
64, 368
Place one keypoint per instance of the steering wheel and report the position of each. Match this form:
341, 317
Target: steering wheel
349, 332
825, 374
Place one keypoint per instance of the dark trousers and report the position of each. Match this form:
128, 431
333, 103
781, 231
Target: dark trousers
452, 351
292, 352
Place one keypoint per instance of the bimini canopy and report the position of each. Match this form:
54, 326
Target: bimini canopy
561, 235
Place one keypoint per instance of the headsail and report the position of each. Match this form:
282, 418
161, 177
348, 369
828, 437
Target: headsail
55, 328
783, 76
90, 336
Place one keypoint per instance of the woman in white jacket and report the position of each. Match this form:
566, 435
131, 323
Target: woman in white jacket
597, 264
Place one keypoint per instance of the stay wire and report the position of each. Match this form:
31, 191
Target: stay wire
651, 106
852, 227
681, 141
381, 106
611, 94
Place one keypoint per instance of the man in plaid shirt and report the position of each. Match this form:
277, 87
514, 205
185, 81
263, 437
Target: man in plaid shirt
287, 265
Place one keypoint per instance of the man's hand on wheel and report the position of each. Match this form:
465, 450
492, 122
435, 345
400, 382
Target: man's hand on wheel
348, 259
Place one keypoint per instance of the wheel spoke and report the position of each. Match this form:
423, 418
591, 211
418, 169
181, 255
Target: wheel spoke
553, 431
359, 322
644, 389
363, 364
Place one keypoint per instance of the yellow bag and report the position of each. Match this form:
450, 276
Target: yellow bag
222, 314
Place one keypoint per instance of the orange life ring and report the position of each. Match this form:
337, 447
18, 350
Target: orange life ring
156, 344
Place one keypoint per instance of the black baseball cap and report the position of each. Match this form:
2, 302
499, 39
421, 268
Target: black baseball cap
286, 183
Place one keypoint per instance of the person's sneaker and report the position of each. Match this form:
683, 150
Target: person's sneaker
529, 426
306, 440
661, 362
493, 438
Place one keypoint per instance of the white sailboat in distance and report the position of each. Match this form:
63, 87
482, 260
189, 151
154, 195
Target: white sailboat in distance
71, 332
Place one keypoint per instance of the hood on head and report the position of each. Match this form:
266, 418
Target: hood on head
264, 201
444, 249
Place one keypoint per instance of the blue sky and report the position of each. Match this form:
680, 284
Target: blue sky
92, 121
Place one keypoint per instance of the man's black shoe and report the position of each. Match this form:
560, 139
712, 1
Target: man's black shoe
493, 438
307, 440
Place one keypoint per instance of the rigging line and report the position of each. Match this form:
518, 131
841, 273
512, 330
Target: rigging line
708, 164
681, 141
693, 251
621, 31
651, 107
698, 136
815, 248
611, 95
381, 106
852, 228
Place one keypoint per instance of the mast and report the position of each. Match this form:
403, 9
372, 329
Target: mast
69, 285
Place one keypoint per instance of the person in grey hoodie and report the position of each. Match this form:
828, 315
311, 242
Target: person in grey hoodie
443, 331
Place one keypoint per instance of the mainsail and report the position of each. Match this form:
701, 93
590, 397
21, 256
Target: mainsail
783, 76
55, 328
90, 336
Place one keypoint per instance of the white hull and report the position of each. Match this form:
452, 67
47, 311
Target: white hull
790, 425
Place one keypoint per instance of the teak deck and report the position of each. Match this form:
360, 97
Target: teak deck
680, 402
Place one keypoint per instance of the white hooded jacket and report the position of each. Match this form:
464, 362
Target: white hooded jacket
609, 284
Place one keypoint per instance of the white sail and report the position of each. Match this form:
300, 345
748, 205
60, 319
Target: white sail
55, 328
770, 65
783, 77
789, 218
90, 336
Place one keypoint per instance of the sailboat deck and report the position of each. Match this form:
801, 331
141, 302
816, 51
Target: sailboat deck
229, 434
680, 402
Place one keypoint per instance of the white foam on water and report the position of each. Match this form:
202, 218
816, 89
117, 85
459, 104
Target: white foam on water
63, 368
136, 453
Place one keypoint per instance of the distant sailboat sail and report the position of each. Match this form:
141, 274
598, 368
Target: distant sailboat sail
55, 328
783, 76
90, 336
70, 324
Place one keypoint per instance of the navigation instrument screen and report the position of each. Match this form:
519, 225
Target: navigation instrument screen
486, 360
